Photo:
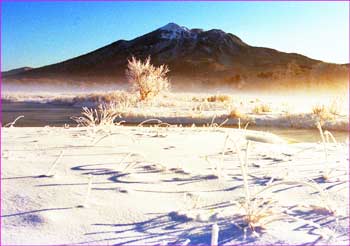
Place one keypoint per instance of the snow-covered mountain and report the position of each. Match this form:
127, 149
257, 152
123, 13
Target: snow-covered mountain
211, 56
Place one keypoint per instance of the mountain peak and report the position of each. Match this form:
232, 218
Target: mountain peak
174, 31
173, 27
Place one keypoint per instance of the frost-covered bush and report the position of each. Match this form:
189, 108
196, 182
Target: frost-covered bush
147, 79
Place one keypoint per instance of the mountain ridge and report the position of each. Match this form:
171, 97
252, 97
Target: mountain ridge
204, 57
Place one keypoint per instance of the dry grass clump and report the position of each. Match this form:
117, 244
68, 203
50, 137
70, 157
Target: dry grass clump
219, 98
196, 110
198, 99
110, 97
121, 108
319, 109
104, 115
235, 113
147, 79
261, 108
257, 211
323, 112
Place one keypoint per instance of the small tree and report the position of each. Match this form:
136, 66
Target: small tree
146, 79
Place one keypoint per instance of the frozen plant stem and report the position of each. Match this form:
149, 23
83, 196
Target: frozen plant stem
86, 201
246, 154
149, 120
214, 235
244, 172
11, 124
186, 242
219, 168
212, 121
129, 165
54, 164
330, 135
327, 174
323, 140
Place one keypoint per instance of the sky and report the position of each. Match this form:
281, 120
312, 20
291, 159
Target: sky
40, 33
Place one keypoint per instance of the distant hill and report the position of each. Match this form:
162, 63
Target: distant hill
211, 58
15, 71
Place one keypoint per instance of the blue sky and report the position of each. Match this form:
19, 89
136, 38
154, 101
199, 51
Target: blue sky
40, 33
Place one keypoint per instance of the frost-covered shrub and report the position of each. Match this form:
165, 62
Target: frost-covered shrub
147, 79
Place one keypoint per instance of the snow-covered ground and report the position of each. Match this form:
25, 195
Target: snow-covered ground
167, 186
